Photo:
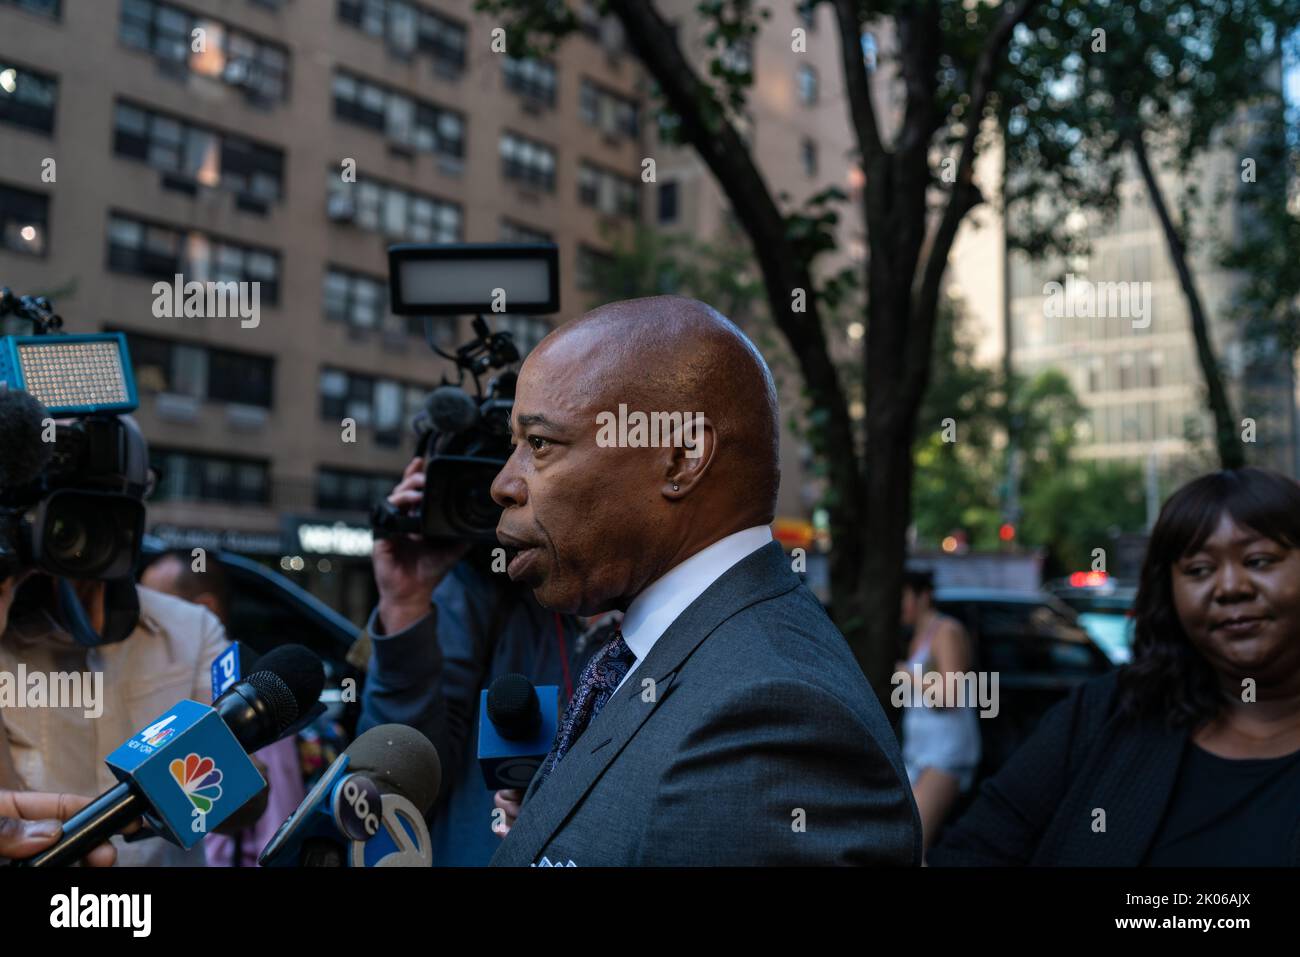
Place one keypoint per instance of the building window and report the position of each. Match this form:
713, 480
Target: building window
608, 192
668, 201
255, 66
738, 57
198, 477
361, 303
198, 154
24, 221
161, 252
807, 85
383, 405
512, 232
341, 490
592, 266
44, 8
408, 29
27, 98
607, 111
527, 161
1126, 377
200, 372
395, 212
409, 122
1155, 361
531, 77
808, 152
606, 30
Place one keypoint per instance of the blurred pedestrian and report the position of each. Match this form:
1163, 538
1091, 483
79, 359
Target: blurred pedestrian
941, 742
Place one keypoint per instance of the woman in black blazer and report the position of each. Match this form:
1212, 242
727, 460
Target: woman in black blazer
1189, 755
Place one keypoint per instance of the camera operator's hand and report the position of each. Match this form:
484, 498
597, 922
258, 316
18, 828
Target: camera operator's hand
510, 801
31, 821
407, 568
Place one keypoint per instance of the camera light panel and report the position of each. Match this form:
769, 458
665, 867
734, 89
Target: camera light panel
474, 278
71, 375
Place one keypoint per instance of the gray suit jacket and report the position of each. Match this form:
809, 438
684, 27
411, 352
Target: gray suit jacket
747, 736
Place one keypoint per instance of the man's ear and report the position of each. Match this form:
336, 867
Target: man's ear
690, 455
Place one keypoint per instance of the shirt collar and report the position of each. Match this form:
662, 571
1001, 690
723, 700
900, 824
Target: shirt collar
659, 604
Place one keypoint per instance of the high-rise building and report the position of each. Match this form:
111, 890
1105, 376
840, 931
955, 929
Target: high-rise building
1117, 323
287, 145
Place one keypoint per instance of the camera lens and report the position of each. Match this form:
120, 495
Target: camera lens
472, 506
87, 536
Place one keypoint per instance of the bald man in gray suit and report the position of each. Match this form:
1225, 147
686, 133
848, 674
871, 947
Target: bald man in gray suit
728, 723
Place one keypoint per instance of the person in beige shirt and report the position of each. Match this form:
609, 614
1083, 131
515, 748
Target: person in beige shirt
166, 658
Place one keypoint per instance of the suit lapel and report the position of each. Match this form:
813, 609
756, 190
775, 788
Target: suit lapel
757, 577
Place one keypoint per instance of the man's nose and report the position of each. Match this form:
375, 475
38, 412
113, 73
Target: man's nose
508, 487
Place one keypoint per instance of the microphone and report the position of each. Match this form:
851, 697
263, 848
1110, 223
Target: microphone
25, 454
189, 770
368, 809
516, 728
451, 410
239, 661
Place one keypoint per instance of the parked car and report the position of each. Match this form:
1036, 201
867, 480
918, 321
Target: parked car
266, 609
1035, 644
1105, 609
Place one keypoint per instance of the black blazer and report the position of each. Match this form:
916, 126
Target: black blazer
1040, 807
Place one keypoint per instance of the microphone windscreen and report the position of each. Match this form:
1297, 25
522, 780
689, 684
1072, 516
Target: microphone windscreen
451, 410
399, 760
291, 678
513, 708
23, 456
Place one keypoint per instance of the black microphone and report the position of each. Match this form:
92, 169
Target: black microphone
25, 454
257, 711
517, 726
451, 410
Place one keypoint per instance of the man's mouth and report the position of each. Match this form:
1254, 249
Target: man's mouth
521, 555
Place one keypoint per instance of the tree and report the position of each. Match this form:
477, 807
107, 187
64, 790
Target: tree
1071, 506
958, 462
1081, 507
1098, 82
949, 53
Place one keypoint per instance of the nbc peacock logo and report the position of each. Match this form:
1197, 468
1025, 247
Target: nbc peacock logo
199, 778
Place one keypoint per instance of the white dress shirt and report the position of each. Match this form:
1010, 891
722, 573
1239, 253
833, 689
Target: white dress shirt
658, 606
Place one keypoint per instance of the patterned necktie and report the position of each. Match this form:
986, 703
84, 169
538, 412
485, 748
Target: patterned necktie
595, 687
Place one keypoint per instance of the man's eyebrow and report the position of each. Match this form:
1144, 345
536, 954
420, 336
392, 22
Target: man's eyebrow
536, 418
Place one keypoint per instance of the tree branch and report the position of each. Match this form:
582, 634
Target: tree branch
718, 143
861, 111
965, 196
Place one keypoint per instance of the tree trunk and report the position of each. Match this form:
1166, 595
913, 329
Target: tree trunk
1226, 439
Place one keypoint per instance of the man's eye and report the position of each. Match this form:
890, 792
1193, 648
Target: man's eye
537, 442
